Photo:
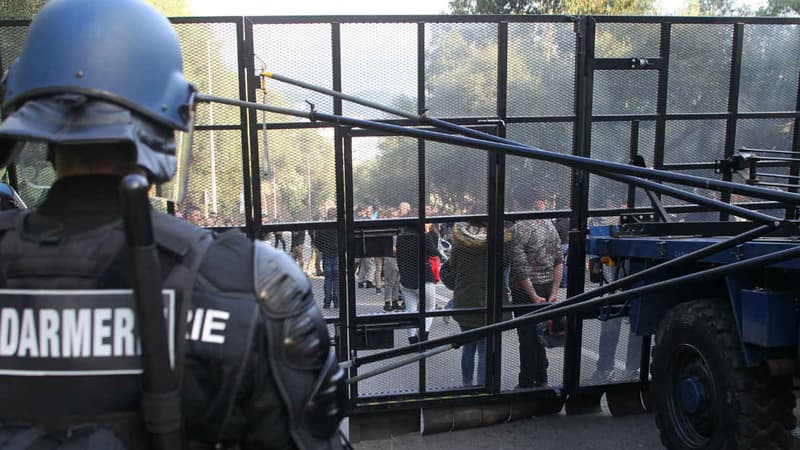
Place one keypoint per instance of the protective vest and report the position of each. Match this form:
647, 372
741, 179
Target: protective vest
219, 331
69, 355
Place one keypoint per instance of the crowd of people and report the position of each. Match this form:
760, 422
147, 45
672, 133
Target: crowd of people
534, 270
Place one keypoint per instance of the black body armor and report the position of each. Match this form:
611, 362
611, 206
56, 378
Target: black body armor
250, 345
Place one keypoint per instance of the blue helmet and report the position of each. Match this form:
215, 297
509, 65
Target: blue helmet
120, 53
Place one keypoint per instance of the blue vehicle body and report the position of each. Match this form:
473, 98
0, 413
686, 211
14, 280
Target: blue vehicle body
764, 302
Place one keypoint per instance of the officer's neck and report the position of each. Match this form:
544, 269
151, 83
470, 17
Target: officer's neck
74, 168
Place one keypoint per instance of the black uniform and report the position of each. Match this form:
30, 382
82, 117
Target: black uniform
256, 346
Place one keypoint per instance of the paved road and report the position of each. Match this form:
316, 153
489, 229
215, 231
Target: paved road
592, 431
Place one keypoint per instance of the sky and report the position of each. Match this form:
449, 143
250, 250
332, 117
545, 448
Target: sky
315, 7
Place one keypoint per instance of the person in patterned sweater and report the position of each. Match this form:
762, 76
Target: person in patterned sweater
536, 269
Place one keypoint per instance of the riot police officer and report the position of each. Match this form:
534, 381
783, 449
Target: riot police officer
101, 85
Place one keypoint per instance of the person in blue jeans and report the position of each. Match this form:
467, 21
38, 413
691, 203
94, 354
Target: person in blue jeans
326, 242
466, 273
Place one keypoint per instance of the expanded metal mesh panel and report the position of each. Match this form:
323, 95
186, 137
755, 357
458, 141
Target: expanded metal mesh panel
611, 142
447, 370
699, 68
766, 134
370, 283
526, 177
510, 363
555, 369
509, 360
627, 40
769, 68
757, 203
279, 239
456, 179
299, 245
34, 173
625, 92
646, 148
321, 263
11, 40
298, 178
385, 175
610, 352
775, 134
216, 185
697, 216
688, 141
706, 173
379, 63
710, 214
402, 380
210, 62
461, 69
541, 69
299, 51
466, 272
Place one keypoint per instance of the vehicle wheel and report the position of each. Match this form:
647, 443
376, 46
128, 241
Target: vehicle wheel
703, 394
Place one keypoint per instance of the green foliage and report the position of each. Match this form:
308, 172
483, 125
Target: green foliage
780, 8
20, 9
172, 8
503, 6
609, 7
26, 9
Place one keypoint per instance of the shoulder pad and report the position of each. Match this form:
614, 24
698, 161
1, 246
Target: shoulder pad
176, 235
280, 284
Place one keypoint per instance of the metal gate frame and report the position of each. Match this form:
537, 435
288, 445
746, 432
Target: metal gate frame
583, 117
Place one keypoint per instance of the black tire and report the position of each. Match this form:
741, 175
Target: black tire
728, 406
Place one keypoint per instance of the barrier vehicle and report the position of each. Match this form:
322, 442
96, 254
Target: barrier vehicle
726, 330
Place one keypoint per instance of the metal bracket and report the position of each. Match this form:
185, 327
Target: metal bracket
731, 164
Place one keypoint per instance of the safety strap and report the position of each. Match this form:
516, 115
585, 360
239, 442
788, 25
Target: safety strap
161, 413
190, 244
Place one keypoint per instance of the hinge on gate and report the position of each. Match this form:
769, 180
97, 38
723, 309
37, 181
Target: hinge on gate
731, 164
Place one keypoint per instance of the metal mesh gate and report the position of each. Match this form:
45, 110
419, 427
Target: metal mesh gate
358, 209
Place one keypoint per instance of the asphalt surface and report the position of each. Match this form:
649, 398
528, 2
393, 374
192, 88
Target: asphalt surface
560, 432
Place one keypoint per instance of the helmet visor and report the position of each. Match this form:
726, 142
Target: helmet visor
74, 119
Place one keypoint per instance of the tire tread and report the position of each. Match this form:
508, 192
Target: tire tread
764, 404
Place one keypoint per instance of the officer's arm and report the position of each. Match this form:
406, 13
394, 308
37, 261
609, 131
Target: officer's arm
303, 366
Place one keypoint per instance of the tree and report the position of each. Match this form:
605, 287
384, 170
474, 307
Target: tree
26, 9
503, 6
20, 9
780, 8
609, 7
